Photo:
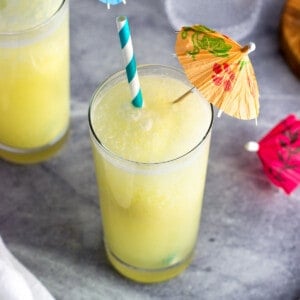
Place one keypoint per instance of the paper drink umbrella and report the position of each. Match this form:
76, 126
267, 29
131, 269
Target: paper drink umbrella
112, 2
221, 69
279, 152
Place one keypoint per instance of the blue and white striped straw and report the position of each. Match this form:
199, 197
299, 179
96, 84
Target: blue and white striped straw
129, 61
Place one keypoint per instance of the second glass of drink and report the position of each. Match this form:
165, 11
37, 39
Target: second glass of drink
34, 79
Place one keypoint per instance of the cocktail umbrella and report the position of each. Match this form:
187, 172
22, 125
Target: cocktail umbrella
279, 152
112, 2
221, 69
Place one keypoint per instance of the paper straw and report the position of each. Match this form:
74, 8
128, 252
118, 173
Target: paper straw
129, 61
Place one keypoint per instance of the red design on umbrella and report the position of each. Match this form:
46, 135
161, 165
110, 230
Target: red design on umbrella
279, 152
223, 75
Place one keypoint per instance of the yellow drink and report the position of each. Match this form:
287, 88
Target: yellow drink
34, 78
151, 167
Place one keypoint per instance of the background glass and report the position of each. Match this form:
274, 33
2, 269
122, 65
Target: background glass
235, 18
34, 78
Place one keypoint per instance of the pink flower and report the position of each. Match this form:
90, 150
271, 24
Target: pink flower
223, 75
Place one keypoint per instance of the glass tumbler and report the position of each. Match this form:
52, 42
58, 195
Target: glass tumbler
150, 199
34, 78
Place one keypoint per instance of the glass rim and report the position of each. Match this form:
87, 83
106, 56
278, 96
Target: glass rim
129, 161
36, 27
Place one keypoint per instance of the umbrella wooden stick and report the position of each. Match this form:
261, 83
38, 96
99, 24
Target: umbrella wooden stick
183, 95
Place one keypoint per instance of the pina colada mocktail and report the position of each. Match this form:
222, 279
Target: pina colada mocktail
34, 78
151, 166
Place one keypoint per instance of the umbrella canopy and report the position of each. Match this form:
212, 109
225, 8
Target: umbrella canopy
112, 2
279, 152
221, 69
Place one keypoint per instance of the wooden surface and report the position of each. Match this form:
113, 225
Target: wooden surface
290, 34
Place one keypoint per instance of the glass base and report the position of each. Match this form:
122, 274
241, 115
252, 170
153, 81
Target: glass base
30, 156
148, 275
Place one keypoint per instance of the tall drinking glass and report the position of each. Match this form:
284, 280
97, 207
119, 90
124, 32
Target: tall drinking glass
235, 18
34, 78
151, 166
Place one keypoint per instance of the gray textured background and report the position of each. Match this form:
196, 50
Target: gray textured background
249, 245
